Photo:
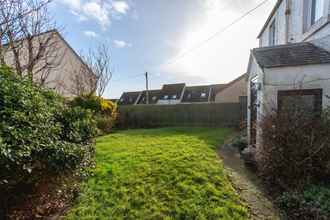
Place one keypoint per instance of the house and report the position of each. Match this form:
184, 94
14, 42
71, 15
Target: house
196, 94
293, 62
129, 98
179, 93
153, 97
233, 92
171, 94
215, 89
58, 65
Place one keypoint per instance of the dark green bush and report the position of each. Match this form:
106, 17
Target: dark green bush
104, 111
39, 135
77, 125
240, 142
312, 203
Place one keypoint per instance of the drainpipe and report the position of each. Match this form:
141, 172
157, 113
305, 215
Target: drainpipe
287, 20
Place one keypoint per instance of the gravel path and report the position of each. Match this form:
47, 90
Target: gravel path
248, 185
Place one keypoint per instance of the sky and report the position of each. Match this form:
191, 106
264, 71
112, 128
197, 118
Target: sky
166, 38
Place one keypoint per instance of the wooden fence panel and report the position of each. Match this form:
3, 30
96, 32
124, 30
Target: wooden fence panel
207, 115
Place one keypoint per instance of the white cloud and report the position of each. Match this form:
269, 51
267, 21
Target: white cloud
97, 10
120, 6
91, 34
121, 44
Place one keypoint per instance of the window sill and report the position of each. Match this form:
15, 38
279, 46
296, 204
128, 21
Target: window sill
316, 27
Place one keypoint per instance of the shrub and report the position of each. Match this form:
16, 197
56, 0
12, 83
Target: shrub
104, 111
312, 203
105, 123
240, 142
295, 150
77, 125
39, 135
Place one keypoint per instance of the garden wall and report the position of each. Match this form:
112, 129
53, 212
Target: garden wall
208, 115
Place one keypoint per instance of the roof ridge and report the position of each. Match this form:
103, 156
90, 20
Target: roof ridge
282, 46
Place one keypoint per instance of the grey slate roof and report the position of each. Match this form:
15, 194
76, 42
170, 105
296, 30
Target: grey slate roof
196, 94
291, 55
153, 97
128, 98
172, 91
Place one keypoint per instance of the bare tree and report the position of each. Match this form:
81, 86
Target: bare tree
95, 74
29, 38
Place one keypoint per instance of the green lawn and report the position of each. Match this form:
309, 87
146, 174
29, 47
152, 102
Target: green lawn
169, 173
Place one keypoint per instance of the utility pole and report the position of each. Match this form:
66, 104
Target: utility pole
147, 89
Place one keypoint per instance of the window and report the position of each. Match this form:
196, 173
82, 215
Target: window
272, 33
174, 97
165, 96
154, 98
316, 10
300, 101
189, 96
203, 95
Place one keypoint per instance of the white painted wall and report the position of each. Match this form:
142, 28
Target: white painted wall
255, 72
299, 77
273, 80
297, 32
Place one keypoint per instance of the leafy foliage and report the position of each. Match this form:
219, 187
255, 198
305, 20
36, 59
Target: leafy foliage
104, 111
170, 173
240, 142
39, 135
312, 203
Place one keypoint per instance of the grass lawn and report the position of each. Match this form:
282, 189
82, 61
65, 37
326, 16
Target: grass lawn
168, 173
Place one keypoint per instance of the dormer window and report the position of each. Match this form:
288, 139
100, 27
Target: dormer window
316, 10
272, 33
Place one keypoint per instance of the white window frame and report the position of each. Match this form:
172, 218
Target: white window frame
272, 33
317, 9
311, 19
